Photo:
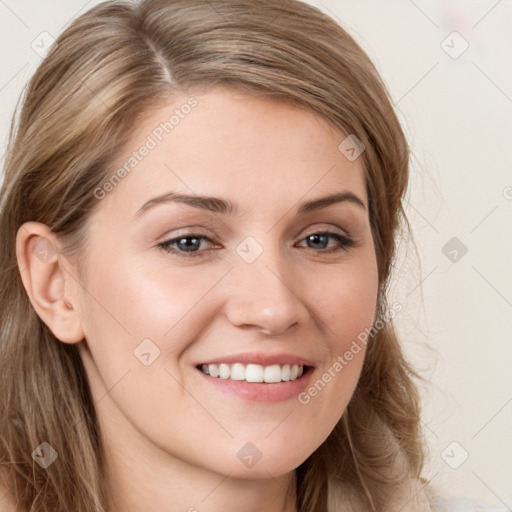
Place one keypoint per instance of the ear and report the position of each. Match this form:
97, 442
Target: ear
47, 281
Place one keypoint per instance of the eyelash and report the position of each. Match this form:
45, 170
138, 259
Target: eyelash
345, 243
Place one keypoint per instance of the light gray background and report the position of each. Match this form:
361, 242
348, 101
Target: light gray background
457, 113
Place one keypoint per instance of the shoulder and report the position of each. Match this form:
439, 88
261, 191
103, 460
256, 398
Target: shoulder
414, 495
422, 497
439, 499
462, 504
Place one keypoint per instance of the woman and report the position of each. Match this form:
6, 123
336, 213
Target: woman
199, 214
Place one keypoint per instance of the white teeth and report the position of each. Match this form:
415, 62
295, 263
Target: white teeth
272, 373
238, 372
224, 371
254, 372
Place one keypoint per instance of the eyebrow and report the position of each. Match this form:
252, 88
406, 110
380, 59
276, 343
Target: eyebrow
218, 205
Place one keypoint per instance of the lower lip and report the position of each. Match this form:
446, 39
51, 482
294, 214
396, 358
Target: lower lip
261, 391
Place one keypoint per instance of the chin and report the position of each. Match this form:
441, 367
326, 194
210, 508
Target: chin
272, 467
250, 462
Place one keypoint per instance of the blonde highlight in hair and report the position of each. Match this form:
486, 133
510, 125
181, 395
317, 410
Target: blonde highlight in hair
109, 68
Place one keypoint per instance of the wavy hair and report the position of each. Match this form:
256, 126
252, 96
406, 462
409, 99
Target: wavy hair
109, 67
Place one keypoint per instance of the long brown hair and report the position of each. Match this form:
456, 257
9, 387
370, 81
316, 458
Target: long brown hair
110, 66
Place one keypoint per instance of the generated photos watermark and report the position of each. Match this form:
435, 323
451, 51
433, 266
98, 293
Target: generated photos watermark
343, 360
156, 136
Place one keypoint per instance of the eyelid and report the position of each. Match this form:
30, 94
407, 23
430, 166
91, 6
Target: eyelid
325, 227
329, 229
188, 231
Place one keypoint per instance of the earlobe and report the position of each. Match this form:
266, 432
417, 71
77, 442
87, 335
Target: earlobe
47, 281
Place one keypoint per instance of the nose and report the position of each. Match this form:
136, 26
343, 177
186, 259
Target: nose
266, 296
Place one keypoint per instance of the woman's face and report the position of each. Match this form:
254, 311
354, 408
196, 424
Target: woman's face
215, 248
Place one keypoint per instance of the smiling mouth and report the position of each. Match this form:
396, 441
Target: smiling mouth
271, 374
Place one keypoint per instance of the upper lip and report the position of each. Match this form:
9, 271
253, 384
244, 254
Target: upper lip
258, 358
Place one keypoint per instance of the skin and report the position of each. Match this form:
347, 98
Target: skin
171, 440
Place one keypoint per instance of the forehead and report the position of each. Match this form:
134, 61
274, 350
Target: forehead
232, 143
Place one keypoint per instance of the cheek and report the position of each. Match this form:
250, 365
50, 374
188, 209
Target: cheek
135, 316
141, 302
346, 307
347, 300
